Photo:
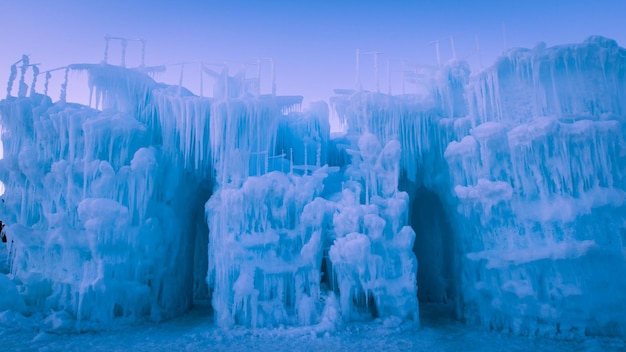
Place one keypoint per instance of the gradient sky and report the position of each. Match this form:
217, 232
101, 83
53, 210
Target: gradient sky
313, 43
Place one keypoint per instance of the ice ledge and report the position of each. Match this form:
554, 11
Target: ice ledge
502, 258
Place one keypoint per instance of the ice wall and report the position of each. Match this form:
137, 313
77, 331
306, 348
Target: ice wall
105, 205
532, 179
585, 79
265, 253
96, 234
544, 197
269, 234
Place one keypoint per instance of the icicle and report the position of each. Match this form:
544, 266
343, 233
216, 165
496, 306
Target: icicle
22, 87
45, 85
318, 157
180, 78
34, 83
226, 95
417, 87
258, 163
290, 161
452, 46
90, 94
367, 190
305, 159
106, 48
258, 75
63, 96
282, 165
267, 162
201, 81
12, 77
124, 44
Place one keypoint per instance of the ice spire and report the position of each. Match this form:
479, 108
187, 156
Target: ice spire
11, 79
305, 159
318, 158
124, 45
63, 96
35, 74
273, 77
453, 47
23, 88
180, 78
107, 38
45, 85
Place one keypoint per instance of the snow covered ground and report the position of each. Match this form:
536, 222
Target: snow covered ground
196, 332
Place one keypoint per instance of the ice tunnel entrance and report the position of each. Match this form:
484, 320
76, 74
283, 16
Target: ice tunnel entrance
434, 248
201, 292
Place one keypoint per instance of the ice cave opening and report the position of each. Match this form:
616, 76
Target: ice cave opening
434, 249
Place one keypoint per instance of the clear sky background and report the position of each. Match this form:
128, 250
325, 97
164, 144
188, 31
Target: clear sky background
312, 42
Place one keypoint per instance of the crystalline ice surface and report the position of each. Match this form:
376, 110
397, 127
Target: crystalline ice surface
507, 186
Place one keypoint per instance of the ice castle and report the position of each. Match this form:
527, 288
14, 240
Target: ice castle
500, 192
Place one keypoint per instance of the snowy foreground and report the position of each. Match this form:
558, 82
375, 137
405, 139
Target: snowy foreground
194, 332
501, 194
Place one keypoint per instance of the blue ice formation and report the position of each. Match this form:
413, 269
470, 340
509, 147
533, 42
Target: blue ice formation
507, 187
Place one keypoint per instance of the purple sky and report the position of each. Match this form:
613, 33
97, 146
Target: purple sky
313, 43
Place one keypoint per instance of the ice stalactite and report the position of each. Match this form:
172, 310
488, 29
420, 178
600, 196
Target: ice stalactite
34, 82
12, 77
22, 87
63, 95
46, 82
107, 39
124, 44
